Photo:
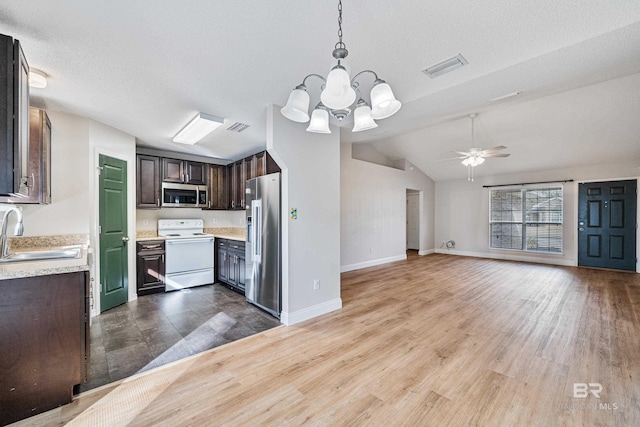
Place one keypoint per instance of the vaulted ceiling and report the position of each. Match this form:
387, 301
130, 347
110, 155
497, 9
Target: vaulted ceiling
147, 67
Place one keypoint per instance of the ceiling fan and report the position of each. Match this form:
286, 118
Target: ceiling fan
475, 156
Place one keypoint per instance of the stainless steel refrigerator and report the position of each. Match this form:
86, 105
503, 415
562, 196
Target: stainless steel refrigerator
263, 255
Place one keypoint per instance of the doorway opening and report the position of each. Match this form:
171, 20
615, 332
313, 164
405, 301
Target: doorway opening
413, 214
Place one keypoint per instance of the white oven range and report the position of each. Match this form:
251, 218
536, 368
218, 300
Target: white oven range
189, 253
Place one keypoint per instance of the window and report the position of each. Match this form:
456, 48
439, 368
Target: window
527, 219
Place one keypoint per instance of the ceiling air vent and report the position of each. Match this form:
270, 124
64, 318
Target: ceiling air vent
237, 127
445, 66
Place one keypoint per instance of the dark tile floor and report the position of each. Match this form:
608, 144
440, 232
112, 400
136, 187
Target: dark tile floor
161, 328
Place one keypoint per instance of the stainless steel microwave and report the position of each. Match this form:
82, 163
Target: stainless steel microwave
184, 195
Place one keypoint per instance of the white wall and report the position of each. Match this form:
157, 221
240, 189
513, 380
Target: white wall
368, 153
462, 211
76, 143
310, 166
113, 143
70, 205
373, 211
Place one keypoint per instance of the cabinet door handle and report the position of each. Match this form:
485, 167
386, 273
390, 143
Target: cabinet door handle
158, 202
163, 258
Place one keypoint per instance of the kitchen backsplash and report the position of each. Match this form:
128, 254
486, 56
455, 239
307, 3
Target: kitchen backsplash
147, 219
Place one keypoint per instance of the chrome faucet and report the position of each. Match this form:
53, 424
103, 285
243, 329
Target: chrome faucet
19, 229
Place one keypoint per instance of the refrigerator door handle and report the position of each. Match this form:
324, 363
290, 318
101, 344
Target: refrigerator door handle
256, 230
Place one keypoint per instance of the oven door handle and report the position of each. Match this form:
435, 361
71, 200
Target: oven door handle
185, 241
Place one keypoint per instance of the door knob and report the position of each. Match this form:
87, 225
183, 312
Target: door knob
125, 239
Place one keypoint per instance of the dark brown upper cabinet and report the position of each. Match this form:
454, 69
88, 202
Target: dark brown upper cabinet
147, 182
240, 171
184, 171
236, 174
37, 182
218, 187
14, 118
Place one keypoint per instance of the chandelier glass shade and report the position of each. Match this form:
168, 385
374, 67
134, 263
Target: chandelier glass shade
319, 121
362, 119
339, 93
297, 106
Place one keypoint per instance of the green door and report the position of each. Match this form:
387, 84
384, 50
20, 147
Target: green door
114, 286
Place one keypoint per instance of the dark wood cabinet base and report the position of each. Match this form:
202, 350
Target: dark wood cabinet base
150, 267
43, 343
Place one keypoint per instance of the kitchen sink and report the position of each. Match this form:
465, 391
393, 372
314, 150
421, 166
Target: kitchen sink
47, 254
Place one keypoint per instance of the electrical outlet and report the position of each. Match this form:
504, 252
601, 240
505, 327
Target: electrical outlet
215, 220
145, 222
370, 250
316, 284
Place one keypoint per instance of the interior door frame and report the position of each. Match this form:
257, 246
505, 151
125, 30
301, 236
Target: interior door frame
95, 222
418, 195
577, 208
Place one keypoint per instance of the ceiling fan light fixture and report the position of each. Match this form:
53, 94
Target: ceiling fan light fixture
473, 161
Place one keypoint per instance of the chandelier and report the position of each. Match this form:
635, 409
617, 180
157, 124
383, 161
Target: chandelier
339, 94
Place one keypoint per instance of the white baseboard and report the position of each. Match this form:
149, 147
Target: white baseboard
549, 259
427, 252
372, 263
310, 312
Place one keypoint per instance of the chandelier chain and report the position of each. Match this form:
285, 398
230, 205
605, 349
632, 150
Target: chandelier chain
340, 44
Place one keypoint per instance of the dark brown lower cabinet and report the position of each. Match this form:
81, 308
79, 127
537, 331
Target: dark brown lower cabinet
44, 342
230, 263
150, 266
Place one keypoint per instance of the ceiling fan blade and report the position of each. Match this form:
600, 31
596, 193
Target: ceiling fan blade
494, 149
452, 158
489, 155
462, 153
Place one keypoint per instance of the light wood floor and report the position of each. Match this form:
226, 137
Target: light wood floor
436, 340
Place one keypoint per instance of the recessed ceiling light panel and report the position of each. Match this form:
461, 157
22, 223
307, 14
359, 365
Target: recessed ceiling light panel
445, 66
201, 126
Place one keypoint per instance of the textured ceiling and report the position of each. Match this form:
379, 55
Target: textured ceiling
147, 67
